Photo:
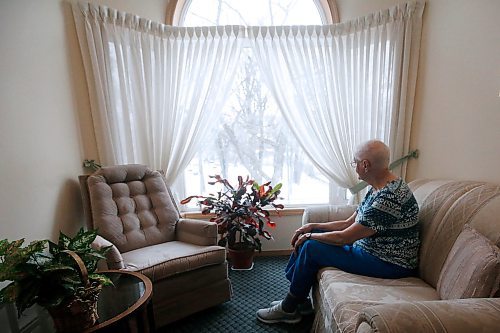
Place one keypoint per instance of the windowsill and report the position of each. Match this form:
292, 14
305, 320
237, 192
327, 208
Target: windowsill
197, 215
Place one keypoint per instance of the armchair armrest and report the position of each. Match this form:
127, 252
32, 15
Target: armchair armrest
199, 232
114, 258
460, 315
327, 213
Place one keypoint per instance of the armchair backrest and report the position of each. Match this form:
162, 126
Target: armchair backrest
130, 205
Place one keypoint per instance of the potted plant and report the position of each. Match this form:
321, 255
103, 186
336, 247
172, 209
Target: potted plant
62, 280
241, 216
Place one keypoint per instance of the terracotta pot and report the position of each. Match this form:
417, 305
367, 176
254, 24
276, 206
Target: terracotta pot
241, 258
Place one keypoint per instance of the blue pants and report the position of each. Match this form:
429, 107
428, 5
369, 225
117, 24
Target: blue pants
313, 255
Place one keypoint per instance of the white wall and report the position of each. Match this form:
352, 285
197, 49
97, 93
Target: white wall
457, 107
456, 122
45, 123
350, 9
40, 147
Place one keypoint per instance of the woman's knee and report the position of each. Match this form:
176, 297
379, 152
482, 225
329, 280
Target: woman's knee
324, 255
313, 247
312, 251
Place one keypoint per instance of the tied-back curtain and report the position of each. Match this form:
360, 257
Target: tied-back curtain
155, 90
343, 84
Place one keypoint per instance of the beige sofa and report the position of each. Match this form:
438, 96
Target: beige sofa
459, 270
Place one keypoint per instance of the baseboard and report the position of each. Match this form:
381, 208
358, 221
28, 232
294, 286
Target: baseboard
274, 253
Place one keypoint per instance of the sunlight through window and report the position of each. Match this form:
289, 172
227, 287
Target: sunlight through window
253, 138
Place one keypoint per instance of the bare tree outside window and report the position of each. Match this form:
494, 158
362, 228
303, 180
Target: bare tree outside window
252, 137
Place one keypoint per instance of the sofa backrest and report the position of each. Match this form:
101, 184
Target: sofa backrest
445, 208
131, 206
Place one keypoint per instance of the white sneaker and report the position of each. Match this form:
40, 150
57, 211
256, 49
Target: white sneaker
304, 309
275, 314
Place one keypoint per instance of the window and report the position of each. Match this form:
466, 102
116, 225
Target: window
252, 137
255, 12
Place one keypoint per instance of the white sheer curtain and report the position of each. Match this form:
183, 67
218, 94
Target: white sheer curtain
340, 85
155, 90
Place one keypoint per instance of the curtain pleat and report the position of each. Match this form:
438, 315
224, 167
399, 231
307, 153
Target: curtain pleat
156, 91
340, 85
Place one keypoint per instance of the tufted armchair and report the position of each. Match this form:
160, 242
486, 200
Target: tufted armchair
134, 212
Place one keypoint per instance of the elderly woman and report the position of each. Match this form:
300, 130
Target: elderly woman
381, 239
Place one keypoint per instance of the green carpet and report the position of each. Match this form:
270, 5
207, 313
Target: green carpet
252, 290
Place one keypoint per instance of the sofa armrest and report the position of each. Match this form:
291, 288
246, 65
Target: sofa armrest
460, 315
114, 258
327, 213
199, 232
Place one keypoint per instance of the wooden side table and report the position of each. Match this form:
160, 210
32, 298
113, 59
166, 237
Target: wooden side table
126, 306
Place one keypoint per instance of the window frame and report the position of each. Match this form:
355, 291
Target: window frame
176, 10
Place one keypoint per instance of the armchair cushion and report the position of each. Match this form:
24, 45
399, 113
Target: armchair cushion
166, 259
131, 207
472, 268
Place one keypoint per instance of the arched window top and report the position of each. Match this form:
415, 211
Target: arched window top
255, 12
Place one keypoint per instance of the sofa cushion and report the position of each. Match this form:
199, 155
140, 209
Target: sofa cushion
445, 207
443, 316
472, 268
345, 295
167, 259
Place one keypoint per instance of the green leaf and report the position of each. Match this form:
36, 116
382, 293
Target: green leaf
103, 279
64, 241
82, 240
3, 245
58, 267
276, 188
53, 248
7, 247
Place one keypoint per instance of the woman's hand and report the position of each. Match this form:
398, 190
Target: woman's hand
301, 239
300, 231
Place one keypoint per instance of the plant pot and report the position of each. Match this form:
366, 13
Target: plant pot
79, 312
74, 317
241, 258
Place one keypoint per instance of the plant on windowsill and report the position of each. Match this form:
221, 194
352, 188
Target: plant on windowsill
240, 214
62, 280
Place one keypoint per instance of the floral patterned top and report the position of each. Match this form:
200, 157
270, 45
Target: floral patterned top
393, 213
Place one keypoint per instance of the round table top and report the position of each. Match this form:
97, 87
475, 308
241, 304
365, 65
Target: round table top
131, 290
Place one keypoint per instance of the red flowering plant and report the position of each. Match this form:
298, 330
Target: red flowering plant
239, 211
